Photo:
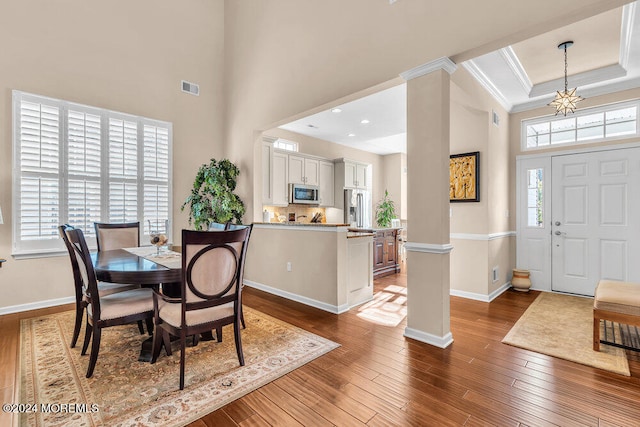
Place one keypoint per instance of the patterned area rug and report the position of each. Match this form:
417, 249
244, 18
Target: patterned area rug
562, 326
125, 392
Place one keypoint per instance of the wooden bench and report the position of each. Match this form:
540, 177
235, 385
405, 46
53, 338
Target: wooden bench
617, 302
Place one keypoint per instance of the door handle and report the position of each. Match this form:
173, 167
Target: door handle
560, 233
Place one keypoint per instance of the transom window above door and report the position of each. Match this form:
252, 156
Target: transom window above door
604, 123
75, 164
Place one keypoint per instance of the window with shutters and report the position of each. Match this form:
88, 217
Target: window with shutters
77, 164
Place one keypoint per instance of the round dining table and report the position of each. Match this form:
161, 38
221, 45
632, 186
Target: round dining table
122, 266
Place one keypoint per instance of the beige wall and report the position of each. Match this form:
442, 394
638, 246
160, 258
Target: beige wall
469, 266
472, 261
287, 57
120, 55
313, 258
395, 181
258, 62
502, 254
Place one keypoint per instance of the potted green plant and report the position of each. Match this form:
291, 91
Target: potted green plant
212, 198
385, 211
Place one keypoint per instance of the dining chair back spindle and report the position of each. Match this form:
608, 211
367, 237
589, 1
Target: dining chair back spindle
212, 265
102, 311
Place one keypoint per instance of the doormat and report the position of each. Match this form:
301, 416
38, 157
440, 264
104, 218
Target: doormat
562, 326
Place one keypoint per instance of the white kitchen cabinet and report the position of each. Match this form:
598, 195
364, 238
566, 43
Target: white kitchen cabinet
280, 179
303, 170
353, 174
326, 183
267, 173
361, 176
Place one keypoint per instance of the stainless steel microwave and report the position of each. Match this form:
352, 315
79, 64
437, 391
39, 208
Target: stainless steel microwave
304, 194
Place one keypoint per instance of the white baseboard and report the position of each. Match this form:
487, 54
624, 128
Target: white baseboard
441, 342
481, 297
335, 309
36, 305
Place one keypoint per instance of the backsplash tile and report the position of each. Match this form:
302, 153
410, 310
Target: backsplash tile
302, 213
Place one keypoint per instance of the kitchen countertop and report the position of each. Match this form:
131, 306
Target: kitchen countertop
355, 234
311, 226
372, 230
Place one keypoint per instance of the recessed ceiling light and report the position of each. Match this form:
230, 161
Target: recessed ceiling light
364, 121
352, 134
336, 110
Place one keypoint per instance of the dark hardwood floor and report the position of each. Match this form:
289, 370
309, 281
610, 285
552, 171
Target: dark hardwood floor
379, 378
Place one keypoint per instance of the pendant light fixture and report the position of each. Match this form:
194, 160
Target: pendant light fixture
565, 101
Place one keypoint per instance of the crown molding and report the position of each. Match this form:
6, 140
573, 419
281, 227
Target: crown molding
516, 67
626, 29
587, 93
581, 79
443, 63
486, 83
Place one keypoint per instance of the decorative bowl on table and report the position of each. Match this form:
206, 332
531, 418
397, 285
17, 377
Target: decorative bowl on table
158, 240
157, 237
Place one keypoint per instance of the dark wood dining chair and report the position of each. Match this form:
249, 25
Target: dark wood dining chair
104, 288
111, 310
111, 236
117, 235
212, 264
217, 226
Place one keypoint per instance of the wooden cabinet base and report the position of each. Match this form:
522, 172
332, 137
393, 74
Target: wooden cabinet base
385, 253
385, 271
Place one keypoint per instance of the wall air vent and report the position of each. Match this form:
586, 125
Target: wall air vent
495, 118
191, 88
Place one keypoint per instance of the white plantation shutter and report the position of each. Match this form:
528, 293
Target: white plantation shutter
77, 164
39, 129
39, 211
123, 170
156, 204
123, 202
83, 170
156, 174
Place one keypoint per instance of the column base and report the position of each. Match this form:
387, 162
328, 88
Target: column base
425, 337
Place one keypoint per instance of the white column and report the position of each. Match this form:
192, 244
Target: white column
428, 248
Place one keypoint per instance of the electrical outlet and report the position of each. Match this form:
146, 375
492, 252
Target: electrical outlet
288, 265
496, 274
450, 212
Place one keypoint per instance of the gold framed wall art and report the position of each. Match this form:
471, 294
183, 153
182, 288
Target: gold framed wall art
464, 177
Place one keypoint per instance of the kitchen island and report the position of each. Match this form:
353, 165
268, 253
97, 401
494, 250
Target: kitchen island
385, 250
321, 265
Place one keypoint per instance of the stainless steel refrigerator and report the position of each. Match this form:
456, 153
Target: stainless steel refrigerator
357, 208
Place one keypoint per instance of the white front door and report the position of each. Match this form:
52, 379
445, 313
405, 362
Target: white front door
595, 219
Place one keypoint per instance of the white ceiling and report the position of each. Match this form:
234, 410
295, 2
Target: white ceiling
605, 58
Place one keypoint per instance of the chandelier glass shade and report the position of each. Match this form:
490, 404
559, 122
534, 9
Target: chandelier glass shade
565, 101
